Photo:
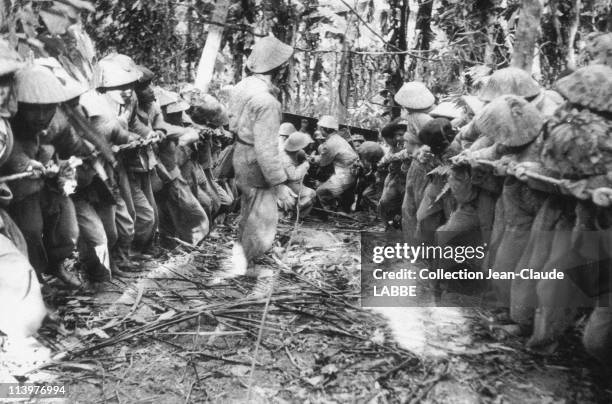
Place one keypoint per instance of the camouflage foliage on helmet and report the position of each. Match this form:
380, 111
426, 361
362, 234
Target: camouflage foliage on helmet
578, 144
589, 86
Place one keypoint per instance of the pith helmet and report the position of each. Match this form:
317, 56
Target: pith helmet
297, 141
165, 97
414, 95
267, 54
10, 60
286, 128
179, 105
147, 75
117, 70
72, 87
589, 86
510, 80
37, 85
447, 110
329, 122
510, 120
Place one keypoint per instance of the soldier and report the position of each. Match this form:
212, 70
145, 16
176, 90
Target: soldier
284, 131
394, 182
369, 182
21, 305
136, 187
180, 212
296, 166
336, 151
255, 115
357, 140
417, 100
45, 215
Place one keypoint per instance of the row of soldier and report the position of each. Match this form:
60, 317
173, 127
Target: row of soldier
90, 179
524, 171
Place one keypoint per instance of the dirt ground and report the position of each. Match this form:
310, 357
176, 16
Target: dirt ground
184, 329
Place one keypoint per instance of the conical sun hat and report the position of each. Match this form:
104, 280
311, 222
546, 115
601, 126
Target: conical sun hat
446, 109
116, 70
414, 95
589, 86
510, 80
509, 120
10, 60
72, 87
179, 105
38, 85
267, 54
286, 128
165, 97
329, 122
297, 141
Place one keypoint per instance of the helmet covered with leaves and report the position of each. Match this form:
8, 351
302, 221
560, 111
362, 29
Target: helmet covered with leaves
599, 48
589, 86
297, 141
510, 80
207, 110
578, 145
36, 84
370, 151
414, 95
267, 54
510, 121
10, 60
116, 70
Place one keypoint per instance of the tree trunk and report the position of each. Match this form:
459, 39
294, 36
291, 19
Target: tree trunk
206, 67
571, 34
526, 34
425, 34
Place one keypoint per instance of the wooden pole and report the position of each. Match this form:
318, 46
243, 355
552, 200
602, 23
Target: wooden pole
527, 33
206, 67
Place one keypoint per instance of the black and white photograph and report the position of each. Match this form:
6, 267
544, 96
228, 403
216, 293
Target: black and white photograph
306, 201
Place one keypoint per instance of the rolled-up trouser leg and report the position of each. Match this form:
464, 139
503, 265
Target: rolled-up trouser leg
11, 230
597, 337
61, 229
390, 203
28, 216
124, 224
144, 221
21, 305
258, 220
93, 244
